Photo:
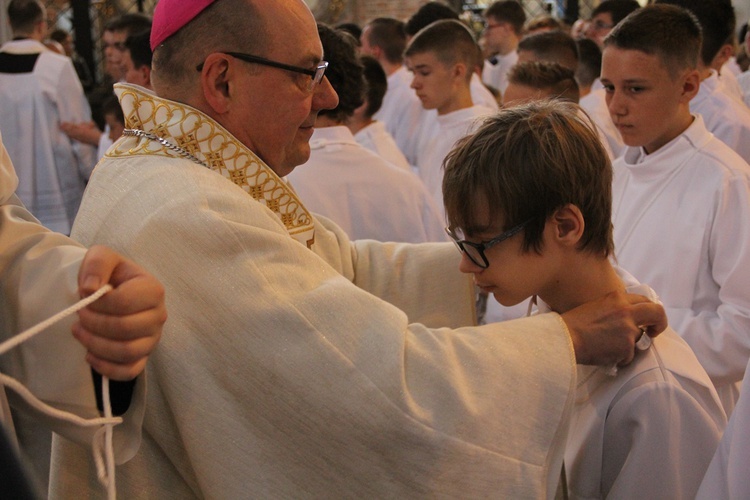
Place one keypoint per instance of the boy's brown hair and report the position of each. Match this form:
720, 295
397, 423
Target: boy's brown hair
450, 41
553, 46
507, 11
526, 162
557, 81
388, 34
671, 33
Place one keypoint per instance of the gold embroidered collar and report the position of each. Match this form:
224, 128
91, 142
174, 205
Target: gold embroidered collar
191, 131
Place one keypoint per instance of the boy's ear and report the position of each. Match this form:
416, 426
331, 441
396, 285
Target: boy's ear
459, 70
690, 85
569, 225
725, 52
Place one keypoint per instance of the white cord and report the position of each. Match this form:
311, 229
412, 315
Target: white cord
34, 330
106, 470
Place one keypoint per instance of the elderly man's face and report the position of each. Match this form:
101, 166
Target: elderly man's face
275, 112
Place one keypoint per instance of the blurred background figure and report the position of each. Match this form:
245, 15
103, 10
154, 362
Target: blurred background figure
65, 39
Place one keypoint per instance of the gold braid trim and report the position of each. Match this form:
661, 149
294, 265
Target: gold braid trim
192, 131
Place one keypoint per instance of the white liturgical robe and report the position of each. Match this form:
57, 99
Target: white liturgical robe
377, 139
595, 105
724, 117
480, 94
681, 220
648, 432
38, 90
727, 475
450, 128
363, 194
401, 112
286, 371
496, 75
744, 81
38, 276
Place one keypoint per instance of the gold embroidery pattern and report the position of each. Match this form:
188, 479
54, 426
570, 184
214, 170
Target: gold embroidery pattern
211, 143
214, 161
188, 142
239, 177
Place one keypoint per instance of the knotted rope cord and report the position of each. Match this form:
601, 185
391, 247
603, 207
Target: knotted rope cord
105, 467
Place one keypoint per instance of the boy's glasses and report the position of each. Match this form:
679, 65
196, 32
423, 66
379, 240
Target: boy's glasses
316, 74
475, 251
601, 25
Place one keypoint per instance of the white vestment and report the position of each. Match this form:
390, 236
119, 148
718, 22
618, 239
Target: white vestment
681, 220
38, 276
401, 112
450, 128
496, 75
724, 117
104, 143
34, 99
480, 94
727, 475
291, 372
728, 78
595, 105
649, 431
376, 138
744, 82
362, 193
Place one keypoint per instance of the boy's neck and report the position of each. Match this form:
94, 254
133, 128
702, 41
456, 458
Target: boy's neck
390, 67
358, 122
508, 46
586, 278
323, 121
680, 126
460, 100
703, 70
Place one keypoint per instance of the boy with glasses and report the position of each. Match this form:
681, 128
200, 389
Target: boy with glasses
606, 16
540, 227
503, 30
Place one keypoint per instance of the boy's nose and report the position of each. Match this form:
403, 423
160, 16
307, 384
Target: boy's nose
615, 103
467, 266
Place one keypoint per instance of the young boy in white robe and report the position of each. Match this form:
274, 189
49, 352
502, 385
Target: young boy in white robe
681, 197
528, 199
442, 58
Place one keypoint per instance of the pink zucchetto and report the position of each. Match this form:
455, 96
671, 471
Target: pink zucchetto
171, 15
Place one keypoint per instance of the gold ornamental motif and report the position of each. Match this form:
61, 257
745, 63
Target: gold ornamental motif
193, 132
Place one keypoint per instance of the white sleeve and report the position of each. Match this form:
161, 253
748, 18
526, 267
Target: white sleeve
658, 441
721, 338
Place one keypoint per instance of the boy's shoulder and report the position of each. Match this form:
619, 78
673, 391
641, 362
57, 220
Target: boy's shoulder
720, 110
695, 148
668, 363
464, 116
